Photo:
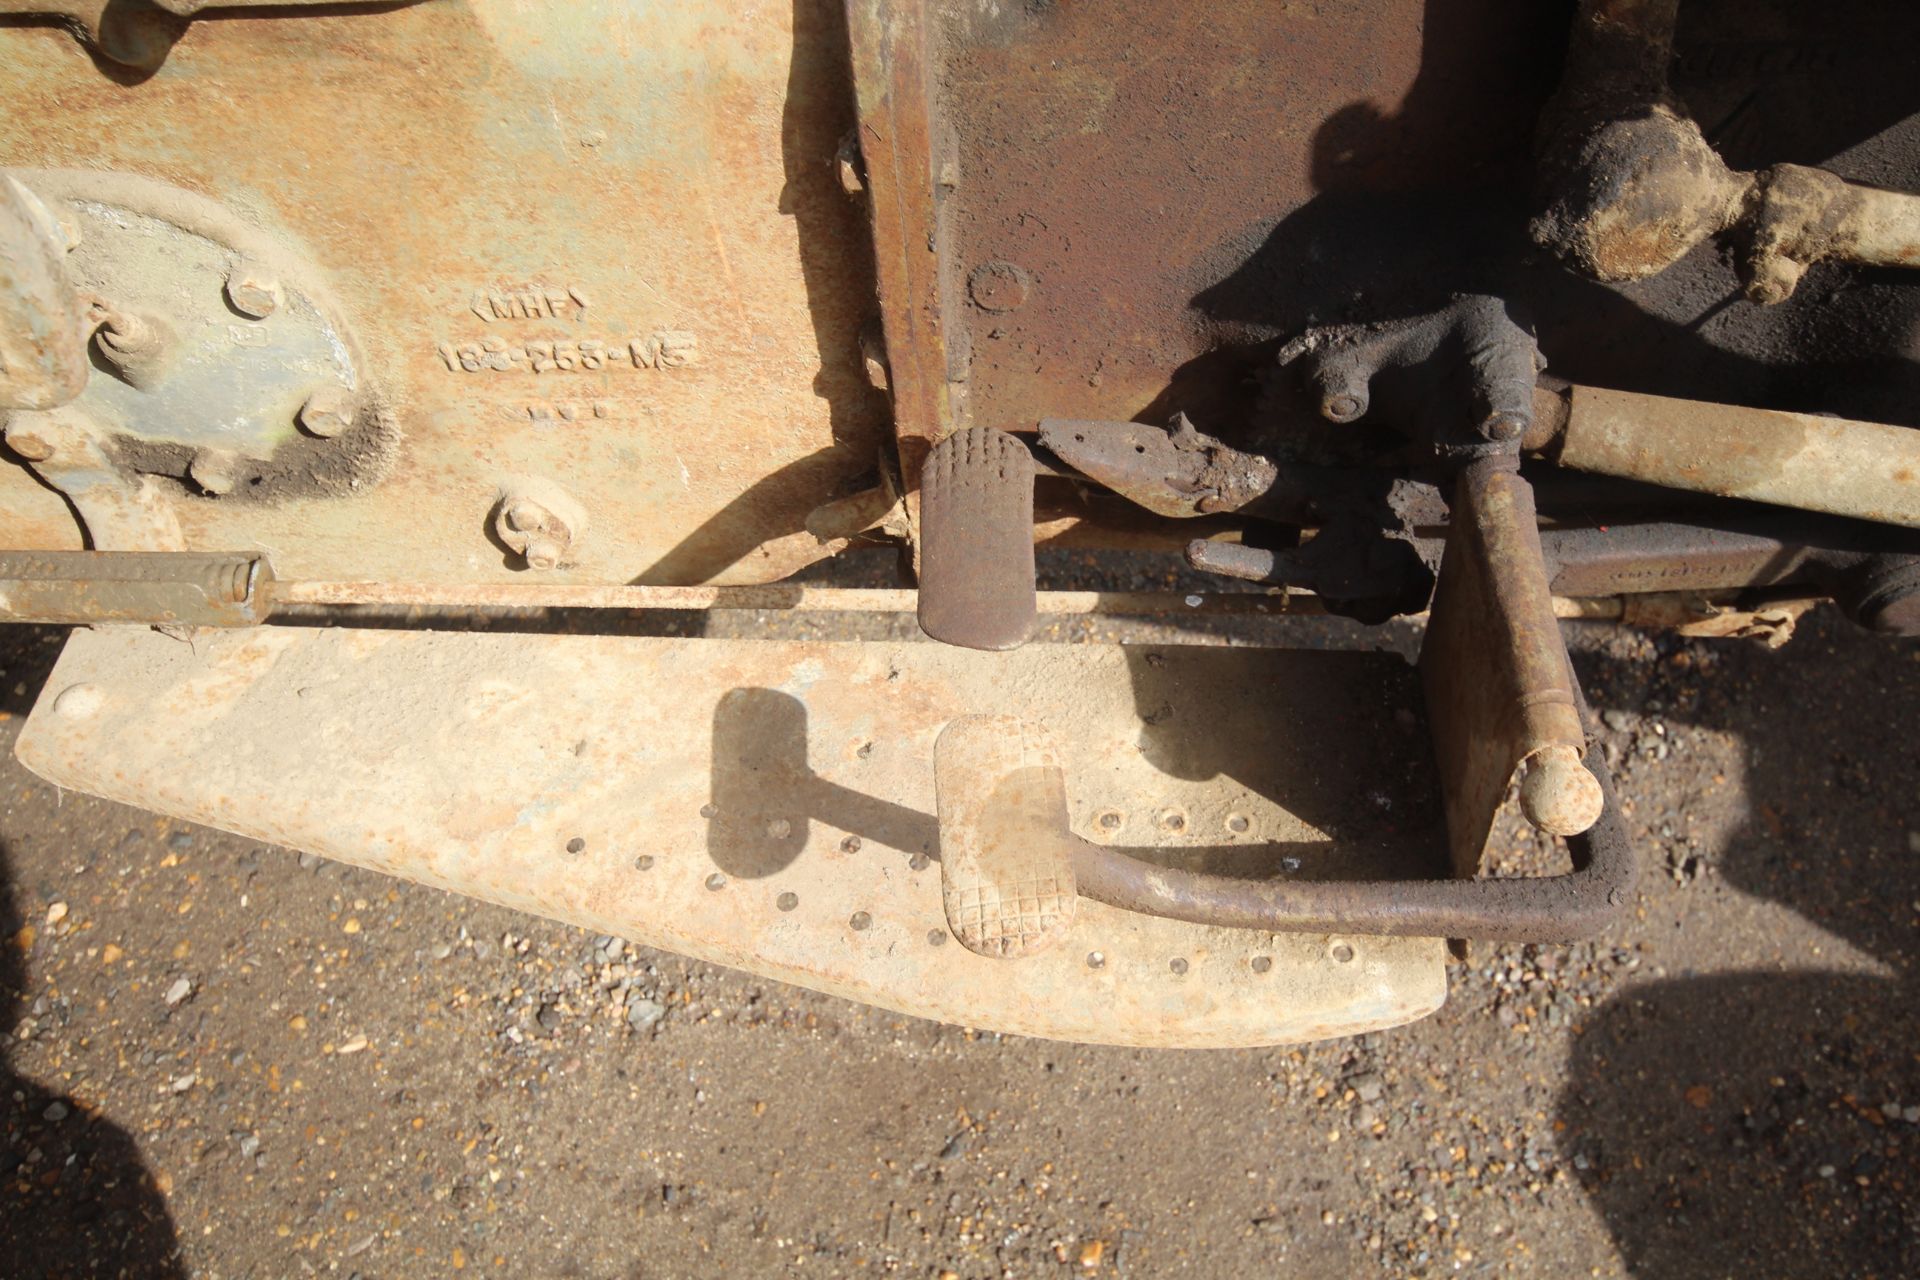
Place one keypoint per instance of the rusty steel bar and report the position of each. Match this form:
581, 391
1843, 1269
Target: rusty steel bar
774, 597
1865, 470
159, 588
1560, 908
897, 140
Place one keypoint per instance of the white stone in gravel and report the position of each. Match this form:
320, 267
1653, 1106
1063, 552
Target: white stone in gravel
643, 1013
180, 990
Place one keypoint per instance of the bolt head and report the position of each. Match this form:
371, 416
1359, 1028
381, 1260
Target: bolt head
523, 516
543, 553
80, 701
1501, 428
253, 290
29, 446
1342, 408
999, 287
213, 471
329, 411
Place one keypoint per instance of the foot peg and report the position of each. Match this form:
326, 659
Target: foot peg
976, 541
1006, 854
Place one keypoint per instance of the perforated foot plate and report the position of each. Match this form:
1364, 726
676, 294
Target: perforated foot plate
762, 804
976, 541
1006, 860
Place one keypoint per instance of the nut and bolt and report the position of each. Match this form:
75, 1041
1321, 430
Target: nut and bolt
1343, 392
1504, 427
543, 553
539, 521
545, 535
141, 348
253, 290
329, 411
214, 470
526, 516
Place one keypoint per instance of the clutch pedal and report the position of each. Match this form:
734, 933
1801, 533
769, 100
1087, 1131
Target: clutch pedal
976, 541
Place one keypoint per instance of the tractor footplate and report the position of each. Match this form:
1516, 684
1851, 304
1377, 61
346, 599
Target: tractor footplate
771, 805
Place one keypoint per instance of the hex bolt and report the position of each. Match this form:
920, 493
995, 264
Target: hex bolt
214, 471
29, 446
329, 411
1343, 391
525, 516
540, 521
253, 290
543, 553
1504, 427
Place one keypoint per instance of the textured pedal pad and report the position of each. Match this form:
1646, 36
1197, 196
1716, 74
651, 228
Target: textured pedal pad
976, 541
1006, 854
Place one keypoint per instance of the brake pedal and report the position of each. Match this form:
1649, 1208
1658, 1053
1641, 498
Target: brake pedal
976, 541
1006, 855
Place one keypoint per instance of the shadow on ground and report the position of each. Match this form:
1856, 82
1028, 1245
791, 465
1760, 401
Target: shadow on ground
1764, 1123
76, 1197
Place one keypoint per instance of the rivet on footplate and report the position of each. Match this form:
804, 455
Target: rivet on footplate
1006, 854
976, 543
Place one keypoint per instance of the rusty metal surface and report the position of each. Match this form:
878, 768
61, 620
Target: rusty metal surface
1130, 208
786, 822
1176, 472
976, 541
1867, 470
1659, 557
138, 34
907, 185
166, 589
510, 176
68, 451
1633, 185
1119, 160
225, 366
1499, 688
43, 353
